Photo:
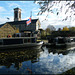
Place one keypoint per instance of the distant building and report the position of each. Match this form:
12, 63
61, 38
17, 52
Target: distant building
21, 24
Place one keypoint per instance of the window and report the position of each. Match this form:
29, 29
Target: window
29, 40
20, 15
16, 14
25, 40
33, 40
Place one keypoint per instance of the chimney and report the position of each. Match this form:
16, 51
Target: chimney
17, 14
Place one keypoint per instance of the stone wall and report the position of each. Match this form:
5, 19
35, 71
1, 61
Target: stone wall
6, 30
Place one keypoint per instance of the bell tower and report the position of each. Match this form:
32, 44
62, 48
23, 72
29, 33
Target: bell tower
17, 14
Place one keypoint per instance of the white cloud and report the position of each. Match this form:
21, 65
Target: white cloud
13, 4
54, 63
23, 1
35, 9
2, 9
11, 18
55, 20
26, 18
4, 19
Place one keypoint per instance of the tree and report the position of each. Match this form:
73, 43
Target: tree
59, 29
51, 27
72, 29
17, 30
43, 34
47, 31
65, 28
49, 6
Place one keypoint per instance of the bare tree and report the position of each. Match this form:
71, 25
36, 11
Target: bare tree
51, 27
48, 31
49, 5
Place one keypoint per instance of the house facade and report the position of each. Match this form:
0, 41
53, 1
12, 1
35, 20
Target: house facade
33, 27
21, 24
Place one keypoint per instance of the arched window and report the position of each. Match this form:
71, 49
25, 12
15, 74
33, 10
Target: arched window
16, 14
20, 15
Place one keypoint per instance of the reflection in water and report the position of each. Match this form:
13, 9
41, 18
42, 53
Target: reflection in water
56, 62
15, 58
43, 61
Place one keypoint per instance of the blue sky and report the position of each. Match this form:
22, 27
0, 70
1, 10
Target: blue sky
6, 10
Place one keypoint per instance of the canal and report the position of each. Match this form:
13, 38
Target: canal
42, 61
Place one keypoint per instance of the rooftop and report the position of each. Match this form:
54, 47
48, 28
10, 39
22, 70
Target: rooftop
22, 22
2, 25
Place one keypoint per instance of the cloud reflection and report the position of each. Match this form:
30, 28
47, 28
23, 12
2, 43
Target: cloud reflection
54, 63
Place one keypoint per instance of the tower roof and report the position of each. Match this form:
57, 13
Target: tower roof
16, 8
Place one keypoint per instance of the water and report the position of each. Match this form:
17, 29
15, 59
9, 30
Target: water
42, 61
